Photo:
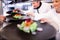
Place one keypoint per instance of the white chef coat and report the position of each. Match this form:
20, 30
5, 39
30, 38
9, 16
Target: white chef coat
44, 8
54, 18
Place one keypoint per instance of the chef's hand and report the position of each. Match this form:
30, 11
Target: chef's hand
43, 20
2, 18
30, 14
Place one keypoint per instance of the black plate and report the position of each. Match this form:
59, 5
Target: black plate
12, 19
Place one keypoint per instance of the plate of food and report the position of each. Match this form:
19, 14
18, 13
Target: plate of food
28, 26
16, 14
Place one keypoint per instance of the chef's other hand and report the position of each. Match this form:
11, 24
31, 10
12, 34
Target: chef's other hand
2, 18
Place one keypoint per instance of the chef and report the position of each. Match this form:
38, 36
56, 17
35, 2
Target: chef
53, 16
38, 8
